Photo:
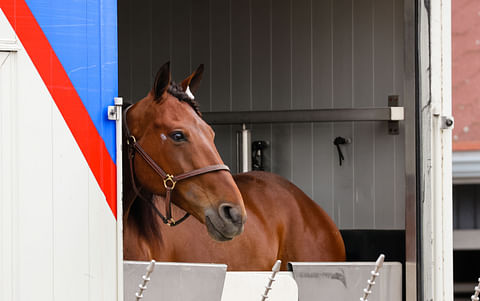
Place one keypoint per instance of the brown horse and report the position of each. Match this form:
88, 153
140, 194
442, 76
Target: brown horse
171, 156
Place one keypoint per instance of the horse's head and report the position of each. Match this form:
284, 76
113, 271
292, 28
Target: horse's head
168, 127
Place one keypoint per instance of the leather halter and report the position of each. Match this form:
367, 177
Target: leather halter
169, 180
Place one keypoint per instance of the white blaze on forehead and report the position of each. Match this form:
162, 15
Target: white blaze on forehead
189, 93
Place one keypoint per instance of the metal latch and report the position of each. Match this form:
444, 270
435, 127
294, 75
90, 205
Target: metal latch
115, 111
447, 122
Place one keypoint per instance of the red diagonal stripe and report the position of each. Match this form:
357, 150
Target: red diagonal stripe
65, 96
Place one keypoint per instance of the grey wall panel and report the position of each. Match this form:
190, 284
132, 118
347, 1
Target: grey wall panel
281, 144
180, 39
160, 36
282, 55
241, 56
139, 36
343, 176
224, 140
220, 55
323, 161
301, 55
343, 179
385, 145
200, 52
302, 155
261, 54
281, 150
302, 144
363, 133
322, 54
124, 67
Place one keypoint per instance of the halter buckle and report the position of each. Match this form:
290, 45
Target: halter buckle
169, 179
171, 222
131, 140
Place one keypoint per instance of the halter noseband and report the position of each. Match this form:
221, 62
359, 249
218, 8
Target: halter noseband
169, 180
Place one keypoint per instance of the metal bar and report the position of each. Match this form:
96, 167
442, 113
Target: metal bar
319, 115
118, 137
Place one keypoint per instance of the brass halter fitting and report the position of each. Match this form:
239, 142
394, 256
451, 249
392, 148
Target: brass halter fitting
169, 179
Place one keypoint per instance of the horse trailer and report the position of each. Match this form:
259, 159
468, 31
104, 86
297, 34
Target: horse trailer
348, 99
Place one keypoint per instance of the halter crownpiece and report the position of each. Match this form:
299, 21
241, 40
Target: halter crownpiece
169, 180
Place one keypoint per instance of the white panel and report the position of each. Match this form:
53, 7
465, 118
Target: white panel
70, 214
34, 164
57, 233
101, 246
6, 34
241, 286
7, 176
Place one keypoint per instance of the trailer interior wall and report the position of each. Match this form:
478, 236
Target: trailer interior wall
283, 55
57, 232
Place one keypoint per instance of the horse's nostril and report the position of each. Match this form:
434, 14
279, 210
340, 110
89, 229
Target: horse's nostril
230, 213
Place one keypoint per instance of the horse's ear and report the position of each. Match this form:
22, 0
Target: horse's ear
193, 81
162, 81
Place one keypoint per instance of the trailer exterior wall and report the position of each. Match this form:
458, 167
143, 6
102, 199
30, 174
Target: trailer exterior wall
58, 228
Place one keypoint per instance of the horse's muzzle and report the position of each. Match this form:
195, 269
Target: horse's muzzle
224, 223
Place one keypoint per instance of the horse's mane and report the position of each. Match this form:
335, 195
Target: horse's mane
176, 90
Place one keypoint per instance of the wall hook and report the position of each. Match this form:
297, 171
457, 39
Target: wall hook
341, 140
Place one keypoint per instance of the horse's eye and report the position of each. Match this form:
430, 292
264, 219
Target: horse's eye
178, 136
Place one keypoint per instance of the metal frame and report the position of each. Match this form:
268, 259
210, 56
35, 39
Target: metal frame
293, 116
435, 180
412, 271
115, 113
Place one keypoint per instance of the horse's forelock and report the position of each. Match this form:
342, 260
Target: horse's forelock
176, 90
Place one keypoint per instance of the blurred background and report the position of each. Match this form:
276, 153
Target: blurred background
466, 144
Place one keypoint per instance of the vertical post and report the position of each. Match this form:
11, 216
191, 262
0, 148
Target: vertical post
436, 174
244, 156
118, 139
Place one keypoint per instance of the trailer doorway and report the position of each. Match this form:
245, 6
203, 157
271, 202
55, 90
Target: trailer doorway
302, 55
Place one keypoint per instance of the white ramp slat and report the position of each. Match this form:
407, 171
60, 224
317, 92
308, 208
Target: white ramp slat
324, 281
242, 286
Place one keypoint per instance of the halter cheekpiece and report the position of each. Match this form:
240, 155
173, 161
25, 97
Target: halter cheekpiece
169, 181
